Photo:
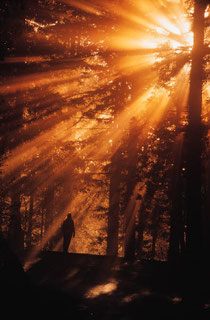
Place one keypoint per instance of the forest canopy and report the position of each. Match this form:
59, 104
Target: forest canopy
99, 104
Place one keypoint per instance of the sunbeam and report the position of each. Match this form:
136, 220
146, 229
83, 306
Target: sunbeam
73, 82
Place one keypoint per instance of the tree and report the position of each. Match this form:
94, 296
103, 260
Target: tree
16, 234
131, 182
195, 137
193, 144
77, 89
114, 204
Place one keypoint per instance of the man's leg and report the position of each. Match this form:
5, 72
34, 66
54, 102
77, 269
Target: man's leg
66, 241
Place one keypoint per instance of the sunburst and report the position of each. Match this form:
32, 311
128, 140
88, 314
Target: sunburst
137, 41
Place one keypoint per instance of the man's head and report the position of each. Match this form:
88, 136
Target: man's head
69, 215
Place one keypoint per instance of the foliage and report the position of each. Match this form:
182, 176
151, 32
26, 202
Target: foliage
78, 112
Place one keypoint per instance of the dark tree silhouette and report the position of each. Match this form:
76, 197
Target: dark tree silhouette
195, 136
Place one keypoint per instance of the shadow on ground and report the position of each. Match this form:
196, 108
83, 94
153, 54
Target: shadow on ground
100, 287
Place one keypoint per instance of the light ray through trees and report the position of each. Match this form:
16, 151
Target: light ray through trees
84, 116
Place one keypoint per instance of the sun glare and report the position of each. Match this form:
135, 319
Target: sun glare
71, 90
159, 30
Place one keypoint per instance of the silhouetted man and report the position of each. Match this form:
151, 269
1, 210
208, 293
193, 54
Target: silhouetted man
68, 231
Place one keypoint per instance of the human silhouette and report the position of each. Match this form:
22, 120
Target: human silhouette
68, 231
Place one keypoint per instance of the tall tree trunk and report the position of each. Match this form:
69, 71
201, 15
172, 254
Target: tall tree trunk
142, 218
115, 178
176, 244
49, 206
194, 136
194, 275
30, 215
131, 193
140, 229
131, 224
42, 222
207, 201
114, 202
16, 234
156, 218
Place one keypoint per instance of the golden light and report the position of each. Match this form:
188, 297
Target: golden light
189, 38
166, 24
143, 36
175, 28
106, 288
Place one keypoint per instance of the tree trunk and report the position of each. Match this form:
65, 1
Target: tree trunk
42, 222
131, 192
156, 216
30, 215
115, 179
176, 244
49, 205
130, 225
114, 201
140, 230
16, 234
194, 137
142, 219
194, 275
207, 201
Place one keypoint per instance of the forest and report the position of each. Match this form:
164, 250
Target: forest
105, 114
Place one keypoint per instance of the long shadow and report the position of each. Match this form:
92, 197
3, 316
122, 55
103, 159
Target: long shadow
99, 287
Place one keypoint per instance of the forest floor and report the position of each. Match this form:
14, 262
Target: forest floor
104, 288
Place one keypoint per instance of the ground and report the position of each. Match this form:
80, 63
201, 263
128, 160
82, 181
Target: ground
104, 288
